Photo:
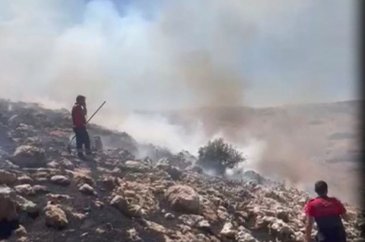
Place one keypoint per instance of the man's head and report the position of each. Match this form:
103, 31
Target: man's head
321, 188
80, 99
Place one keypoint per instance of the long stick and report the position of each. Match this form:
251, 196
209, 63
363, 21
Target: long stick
97, 110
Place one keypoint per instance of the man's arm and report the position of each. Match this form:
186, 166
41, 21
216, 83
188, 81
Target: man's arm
308, 228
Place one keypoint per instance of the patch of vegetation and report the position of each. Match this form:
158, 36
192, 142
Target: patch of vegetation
218, 155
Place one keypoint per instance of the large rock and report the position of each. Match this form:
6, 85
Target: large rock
7, 178
7, 204
55, 216
29, 156
8, 215
183, 198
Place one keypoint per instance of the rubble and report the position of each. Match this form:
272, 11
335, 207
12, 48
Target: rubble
121, 196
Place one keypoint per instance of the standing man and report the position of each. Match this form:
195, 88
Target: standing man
326, 212
79, 112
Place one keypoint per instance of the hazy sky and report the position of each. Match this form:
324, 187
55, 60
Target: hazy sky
168, 54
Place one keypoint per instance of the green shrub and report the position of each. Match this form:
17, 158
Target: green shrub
218, 155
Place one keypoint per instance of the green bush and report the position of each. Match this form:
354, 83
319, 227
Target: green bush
218, 155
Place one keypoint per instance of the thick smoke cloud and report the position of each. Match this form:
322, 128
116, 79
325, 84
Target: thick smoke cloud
175, 54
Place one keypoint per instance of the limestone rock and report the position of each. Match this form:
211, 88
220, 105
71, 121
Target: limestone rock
27, 206
24, 189
132, 235
7, 204
29, 156
122, 204
24, 179
87, 189
228, 231
7, 178
60, 180
183, 198
55, 216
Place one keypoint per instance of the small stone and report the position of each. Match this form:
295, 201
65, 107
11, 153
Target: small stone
87, 189
39, 189
99, 204
79, 216
53, 164
100, 231
244, 235
109, 183
283, 215
24, 189
132, 235
130, 210
228, 231
169, 216
60, 180
24, 179
81, 178
22, 239
21, 231
204, 224
57, 198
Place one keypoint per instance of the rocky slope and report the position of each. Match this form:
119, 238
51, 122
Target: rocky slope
47, 194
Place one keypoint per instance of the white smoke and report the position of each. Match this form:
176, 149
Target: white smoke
157, 130
252, 150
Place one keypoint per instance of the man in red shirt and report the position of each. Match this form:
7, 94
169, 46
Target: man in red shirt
326, 212
79, 112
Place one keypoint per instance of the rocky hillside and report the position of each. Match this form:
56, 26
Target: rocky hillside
47, 194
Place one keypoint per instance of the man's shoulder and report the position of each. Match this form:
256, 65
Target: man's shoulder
312, 200
76, 106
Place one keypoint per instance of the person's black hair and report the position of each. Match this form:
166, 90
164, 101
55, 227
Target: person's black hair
80, 98
321, 188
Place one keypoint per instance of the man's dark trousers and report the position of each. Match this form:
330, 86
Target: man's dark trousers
82, 138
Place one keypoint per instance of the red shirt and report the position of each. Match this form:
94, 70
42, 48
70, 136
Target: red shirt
78, 116
326, 212
322, 207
